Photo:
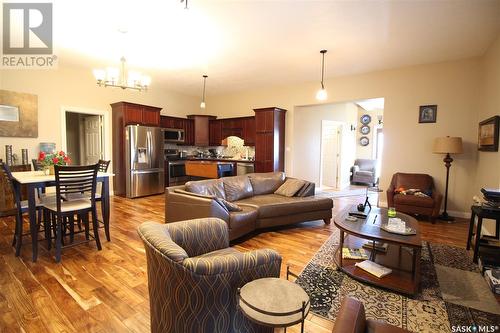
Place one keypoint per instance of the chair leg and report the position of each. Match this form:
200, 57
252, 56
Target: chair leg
19, 235
71, 224
59, 238
85, 219
46, 226
95, 224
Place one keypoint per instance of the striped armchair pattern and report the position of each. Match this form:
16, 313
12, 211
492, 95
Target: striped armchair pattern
193, 276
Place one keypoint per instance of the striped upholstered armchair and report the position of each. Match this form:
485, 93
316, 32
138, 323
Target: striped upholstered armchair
193, 276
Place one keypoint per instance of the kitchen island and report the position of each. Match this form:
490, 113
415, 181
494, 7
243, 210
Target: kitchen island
209, 169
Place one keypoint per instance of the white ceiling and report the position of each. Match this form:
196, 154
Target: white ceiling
250, 44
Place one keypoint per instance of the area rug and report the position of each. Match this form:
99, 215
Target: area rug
453, 292
341, 193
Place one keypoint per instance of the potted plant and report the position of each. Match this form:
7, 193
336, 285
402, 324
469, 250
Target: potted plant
49, 160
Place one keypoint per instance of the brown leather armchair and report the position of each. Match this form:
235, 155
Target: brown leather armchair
412, 204
351, 319
193, 277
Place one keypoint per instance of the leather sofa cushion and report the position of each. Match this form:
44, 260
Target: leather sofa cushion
271, 205
209, 187
266, 183
376, 326
290, 187
248, 215
413, 200
237, 188
413, 180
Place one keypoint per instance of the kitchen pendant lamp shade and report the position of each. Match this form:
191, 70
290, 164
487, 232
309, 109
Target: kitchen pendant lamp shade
322, 95
448, 145
202, 104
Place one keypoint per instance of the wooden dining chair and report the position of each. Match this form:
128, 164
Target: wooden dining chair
72, 181
21, 208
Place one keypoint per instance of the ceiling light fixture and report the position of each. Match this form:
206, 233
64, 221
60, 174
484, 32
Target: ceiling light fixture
186, 2
322, 94
113, 77
202, 104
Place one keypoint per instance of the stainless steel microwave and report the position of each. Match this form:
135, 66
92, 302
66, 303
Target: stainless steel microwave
173, 135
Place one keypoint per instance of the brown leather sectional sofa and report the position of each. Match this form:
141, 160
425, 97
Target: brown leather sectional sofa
254, 194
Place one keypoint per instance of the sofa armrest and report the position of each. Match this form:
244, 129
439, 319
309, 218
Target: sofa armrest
230, 263
354, 169
390, 196
351, 317
181, 205
438, 199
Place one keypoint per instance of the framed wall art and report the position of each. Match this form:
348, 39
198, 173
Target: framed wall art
427, 114
488, 134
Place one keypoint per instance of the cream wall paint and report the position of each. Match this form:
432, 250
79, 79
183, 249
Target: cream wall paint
74, 87
453, 86
488, 163
307, 145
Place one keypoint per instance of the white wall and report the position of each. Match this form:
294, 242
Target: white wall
307, 144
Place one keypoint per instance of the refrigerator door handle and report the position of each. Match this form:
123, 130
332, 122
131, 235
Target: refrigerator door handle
137, 172
150, 148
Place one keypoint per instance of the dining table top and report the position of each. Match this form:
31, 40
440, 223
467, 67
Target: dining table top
30, 177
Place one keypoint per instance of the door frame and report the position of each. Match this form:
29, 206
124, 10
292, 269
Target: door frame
106, 124
340, 129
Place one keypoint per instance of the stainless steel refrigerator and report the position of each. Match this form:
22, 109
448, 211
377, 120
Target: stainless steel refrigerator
144, 161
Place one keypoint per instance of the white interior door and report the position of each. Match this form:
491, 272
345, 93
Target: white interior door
331, 132
93, 140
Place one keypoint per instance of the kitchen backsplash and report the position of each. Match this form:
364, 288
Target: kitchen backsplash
235, 148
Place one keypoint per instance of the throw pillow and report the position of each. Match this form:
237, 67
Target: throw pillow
290, 187
231, 207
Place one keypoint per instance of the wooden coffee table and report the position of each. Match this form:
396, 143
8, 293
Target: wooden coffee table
402, 256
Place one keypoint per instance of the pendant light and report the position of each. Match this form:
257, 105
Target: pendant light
202, 104
322, 94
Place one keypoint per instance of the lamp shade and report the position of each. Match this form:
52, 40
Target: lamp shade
448, 145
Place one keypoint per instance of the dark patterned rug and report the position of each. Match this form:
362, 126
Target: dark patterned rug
453, 292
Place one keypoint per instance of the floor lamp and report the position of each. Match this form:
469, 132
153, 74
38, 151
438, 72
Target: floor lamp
447, 145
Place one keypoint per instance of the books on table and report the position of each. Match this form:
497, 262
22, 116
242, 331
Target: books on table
348, 253
373, 268
379, 246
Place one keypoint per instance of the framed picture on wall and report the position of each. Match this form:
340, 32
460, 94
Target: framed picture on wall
427, 114
488, 134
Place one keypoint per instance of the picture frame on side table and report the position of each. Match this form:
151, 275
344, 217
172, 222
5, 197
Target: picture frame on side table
427, 114
488, 133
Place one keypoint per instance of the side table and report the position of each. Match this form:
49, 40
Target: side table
274, 302
481, 212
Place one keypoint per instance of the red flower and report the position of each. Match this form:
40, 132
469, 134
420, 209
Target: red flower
55, 160
61, 153
41, 156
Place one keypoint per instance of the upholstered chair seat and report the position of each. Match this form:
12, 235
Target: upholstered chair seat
193, 276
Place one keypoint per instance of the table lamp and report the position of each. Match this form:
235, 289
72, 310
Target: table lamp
447, 145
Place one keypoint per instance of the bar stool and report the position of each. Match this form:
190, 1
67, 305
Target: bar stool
70, 181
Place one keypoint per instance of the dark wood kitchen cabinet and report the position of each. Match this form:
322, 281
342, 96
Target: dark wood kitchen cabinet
232, 127
249, 131
137, 114
269, 139
188, 132
201, 129
215, 132
172, 122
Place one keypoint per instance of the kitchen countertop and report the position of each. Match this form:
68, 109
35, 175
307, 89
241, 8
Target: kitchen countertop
219, 159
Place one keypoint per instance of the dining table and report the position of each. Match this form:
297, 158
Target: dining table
34, 180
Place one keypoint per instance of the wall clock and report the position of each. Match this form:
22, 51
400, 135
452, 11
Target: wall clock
365, 129
365, 119
364, 141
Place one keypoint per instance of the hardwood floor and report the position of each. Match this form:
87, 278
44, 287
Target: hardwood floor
106, 291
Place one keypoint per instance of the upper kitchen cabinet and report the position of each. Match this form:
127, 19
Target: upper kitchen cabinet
136, 114
201, 129
249, 131
188, 132
269, 139
215, 132
172, 122
232, 127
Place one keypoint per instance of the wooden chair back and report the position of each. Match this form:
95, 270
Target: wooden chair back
72, 180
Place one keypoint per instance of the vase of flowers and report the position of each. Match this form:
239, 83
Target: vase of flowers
49, 160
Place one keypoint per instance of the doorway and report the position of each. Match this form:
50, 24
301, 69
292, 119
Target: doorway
84, 137
331, 153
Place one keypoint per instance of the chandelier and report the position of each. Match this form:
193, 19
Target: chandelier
114, 77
